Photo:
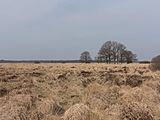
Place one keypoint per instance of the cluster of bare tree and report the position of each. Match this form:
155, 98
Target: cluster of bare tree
111, 52
115, 52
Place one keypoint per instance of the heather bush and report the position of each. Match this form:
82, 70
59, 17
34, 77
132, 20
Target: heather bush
155, 63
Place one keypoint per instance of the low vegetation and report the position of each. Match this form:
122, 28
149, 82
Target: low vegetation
79, 92
155, 63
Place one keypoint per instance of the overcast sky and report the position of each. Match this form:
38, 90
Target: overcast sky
62, 29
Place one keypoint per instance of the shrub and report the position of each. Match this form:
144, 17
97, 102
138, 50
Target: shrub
155, 63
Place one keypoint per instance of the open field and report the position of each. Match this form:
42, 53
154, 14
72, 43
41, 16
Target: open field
79, 92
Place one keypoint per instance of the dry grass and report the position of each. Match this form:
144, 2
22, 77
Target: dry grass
80, 112
99, 97
136, 111
79, 92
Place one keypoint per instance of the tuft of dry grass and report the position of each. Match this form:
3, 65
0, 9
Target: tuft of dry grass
50, 107
80, 112
136, 111
99, 97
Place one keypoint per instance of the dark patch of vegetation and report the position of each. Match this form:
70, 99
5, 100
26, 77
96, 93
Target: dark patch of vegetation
134, 82
144, 62
3, 92
37, 62
57, 109
85, 73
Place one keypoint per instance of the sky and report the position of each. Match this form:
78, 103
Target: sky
63, 29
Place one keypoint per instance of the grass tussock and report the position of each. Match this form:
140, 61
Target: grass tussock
136, 111
99, 98
80, 112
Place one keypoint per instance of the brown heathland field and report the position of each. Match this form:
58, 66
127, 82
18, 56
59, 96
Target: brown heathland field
79, 92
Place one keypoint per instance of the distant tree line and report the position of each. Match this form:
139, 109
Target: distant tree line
111, 52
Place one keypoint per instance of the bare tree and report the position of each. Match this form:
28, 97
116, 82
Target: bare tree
120, 53
114, 51
117, 49
129, 57
85, 57
105, 51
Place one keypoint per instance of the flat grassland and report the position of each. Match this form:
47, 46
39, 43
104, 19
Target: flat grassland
79, 92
